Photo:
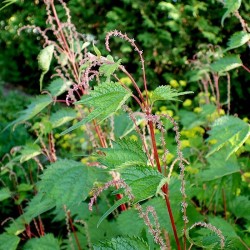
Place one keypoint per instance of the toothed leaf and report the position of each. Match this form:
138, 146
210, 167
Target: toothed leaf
238, 39
109, 69
47, 242
36, 106
8, 241
228, 131
121, 243
124, 153
5, 193
166, 93
62, 116
231, 6
226, 63
106, 99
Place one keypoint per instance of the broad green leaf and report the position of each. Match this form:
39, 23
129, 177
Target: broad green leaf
122, 243
240, 207
62, 116
106, 99
231, 6
124, 153
58, 87
24, 187
68, 182
123, 125
111, 209
166, 93
230, 131
8, 241
238, 39
5, 193
226, 63
219, 167
30, 151
36, 106
143, 180
47, 242
44, 60
108, 69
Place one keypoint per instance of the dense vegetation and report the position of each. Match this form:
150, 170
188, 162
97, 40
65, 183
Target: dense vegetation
133, 129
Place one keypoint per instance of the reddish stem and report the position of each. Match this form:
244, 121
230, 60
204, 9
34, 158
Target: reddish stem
165, 187
73, 230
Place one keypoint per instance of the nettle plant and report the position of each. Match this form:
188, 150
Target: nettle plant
126, 149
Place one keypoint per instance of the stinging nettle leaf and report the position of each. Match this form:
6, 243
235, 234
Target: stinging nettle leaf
62, 116
231, 6
166, 93
8, 241
44, 60
230, 131
5, 193
226, 63
106, 99
121, 243
238, 39
125, 152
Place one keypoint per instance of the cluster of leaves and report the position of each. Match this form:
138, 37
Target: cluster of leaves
131, 150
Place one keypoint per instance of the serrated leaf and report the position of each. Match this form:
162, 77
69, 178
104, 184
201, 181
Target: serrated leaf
62, 116
238, 39
47, 242
112, 208
121, 243
5, 193
231, 6
68, 182
166, 93
106, 99
108, 69
30, 151
240, 206
8, 241
226, 63
44, 60
143, 180
36, 106
125, 152
230, 131
58, 87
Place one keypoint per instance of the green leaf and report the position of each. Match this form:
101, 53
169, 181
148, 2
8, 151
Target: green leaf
112, 208
68, 182
226, 63
166, 93
125, 152
44, 60
47, 242
30, 151
108, 69
230, 131
8, 241
5, 193
62, 116
36, 106
7, 3
58, 86
97, 51
219, 167
121, 243
238, 39
231, 6
240, 206
143, 180
106, 99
